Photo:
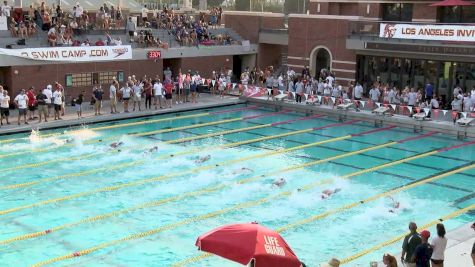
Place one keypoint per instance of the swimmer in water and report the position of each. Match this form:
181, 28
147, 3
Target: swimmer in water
329, 192
116, 144
396, 205
69, 140
279, 183
153, 149
242, 170
203, 159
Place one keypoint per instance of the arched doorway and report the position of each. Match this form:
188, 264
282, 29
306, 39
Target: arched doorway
320, 58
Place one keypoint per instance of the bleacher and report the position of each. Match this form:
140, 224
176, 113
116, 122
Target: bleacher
40, 38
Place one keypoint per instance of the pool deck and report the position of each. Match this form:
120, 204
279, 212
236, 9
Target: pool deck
459, 247
71, 119
447, 127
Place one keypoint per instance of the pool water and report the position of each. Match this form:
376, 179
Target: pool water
51, 186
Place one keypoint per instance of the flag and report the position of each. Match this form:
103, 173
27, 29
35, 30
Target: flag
269, 91
213, 82
363, 103
409, 108
293, 94
234, 85
319, 98
444, 111
426, 111
306, 96
378, 104
464, 114
333, 99
281, 91
393, 106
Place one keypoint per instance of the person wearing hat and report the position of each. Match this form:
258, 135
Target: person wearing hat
424, 251
411, 241
331, 263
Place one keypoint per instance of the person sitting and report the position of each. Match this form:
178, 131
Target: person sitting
99, 42
22, 30
389, 260
203, 159
329, 192
52, 39
279, 183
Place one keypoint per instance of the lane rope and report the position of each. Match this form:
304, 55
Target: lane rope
341, 209
179, 224
138, 134
140, 122
181, 140
186, 195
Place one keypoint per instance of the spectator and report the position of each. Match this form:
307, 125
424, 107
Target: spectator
168, 93
78, 104
389, 260
439, 243
31, 102
158, 92
21, 101
58, 103
147, 88
97, 94
42, 108
423, 251
99, 42
52, 39
137, 94
130, 28
411, 241
473, 247
113, 95
331, 263
4, 106
126, 92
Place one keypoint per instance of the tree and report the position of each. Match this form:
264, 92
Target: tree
242, 5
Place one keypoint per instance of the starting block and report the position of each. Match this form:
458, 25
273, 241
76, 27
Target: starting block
312, 101
465, 122
280, 97
382, 111
345, 106
420, 117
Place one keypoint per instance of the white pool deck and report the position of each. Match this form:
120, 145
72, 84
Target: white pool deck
459, 247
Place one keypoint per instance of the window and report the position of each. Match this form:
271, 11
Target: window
456, 14
88, 79
397, 12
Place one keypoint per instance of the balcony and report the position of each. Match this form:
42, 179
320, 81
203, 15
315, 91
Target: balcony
274, 36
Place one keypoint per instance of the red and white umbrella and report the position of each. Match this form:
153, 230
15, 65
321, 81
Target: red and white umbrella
249, 241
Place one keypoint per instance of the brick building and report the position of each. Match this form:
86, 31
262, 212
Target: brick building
344, 36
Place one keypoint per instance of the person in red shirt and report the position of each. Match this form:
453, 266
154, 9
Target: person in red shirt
168, 94
31, 102
100, 42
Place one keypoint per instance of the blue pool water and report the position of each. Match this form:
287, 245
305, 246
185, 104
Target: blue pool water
47, 184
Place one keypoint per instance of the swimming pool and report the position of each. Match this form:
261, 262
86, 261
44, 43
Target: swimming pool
69, 199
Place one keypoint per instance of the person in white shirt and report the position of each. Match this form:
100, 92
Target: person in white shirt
467, 103
113, 95
144, 15
6, 9
330, 80
392, 96
374, 94
434, 104
137, 94
222, 85
358, 93
49, 95
21, 102
4, 106
58, 103
439, 243
158, 93
126, 92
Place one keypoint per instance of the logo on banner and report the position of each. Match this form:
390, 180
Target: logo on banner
389, 31
120, 51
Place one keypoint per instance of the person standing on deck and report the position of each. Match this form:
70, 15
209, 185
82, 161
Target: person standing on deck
411, 241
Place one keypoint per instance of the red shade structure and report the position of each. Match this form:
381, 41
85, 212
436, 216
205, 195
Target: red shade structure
243, 242
452, 3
